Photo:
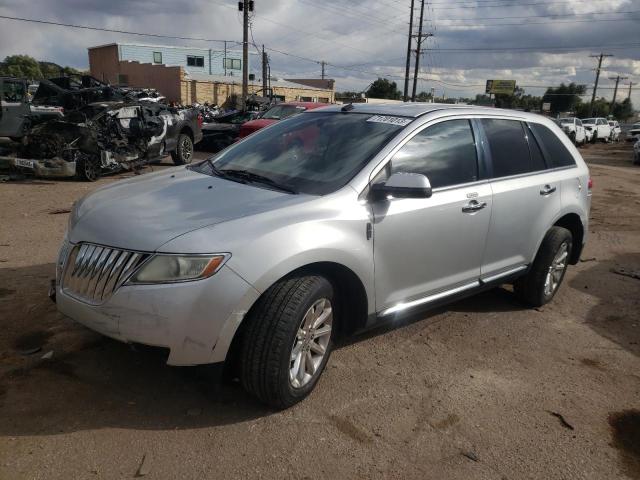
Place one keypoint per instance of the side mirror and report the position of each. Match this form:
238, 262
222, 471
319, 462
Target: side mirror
402, 185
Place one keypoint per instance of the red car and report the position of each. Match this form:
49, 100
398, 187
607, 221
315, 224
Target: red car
276, 113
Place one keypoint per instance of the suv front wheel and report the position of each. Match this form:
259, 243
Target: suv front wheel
288, 340
547, 271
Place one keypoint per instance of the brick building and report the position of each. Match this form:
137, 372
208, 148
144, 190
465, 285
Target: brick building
190, 75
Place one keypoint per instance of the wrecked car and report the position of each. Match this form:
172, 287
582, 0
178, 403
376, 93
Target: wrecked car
224, 130
107, 137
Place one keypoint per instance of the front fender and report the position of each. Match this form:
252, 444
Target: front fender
268, 246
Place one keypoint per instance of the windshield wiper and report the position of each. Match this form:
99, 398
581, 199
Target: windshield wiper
252, 177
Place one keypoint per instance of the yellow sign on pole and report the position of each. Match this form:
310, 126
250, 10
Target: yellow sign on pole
505, 87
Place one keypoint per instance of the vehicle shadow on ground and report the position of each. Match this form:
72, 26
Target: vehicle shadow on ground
91, 381
616, 316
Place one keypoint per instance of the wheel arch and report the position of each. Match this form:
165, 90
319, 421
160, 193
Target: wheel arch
573, 223
186, 129
352, 302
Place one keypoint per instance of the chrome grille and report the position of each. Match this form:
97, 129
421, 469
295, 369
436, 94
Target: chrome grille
93, 272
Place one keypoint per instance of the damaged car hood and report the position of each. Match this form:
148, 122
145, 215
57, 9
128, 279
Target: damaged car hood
145, 212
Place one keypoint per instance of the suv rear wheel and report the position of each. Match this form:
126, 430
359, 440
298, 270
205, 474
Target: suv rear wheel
183, 153
543, 280
288, 340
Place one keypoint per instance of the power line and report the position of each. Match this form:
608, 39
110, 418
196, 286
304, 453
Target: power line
526, 24
558, 15
341, 67
110, 30
494, 4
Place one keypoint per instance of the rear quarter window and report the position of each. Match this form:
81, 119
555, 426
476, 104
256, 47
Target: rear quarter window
556, 153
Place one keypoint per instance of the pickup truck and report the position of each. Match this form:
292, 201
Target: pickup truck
112, 132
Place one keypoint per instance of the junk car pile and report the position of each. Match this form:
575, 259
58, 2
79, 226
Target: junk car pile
103, 129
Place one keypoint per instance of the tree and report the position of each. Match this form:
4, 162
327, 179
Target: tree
600, 109
383, 88
565, 98
424, 97
29, 67
624, 110
21, 66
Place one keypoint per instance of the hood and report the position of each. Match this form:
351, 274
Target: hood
145, 212
253, 125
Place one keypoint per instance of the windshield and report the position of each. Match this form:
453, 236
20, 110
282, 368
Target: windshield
566, 120
589, 121
314, 153
280, 112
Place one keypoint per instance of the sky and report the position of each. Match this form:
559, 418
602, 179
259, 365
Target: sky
363, 40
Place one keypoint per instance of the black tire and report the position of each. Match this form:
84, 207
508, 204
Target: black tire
268, 340
183, 154
530, 289
572, 137
88, 168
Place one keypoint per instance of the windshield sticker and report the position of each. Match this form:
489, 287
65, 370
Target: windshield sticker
402, 121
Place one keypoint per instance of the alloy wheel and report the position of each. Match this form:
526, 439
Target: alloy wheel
187, 149
311, 343
556, 270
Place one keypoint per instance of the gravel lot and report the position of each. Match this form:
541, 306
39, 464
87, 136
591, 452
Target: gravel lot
482, 389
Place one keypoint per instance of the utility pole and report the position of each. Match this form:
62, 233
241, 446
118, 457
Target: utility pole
420, 37
245, 6
406, 72
615, 90
631, 84
264, 72
595, 87
322, 64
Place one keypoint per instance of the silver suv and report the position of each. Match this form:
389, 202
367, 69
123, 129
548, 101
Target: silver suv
327, 223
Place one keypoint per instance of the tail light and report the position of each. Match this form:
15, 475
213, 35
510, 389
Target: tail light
200, 120
590, 184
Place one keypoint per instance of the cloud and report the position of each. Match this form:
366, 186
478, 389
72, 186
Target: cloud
359, 39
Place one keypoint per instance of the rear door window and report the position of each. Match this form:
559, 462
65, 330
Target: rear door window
556, 153
444, 152
509, 150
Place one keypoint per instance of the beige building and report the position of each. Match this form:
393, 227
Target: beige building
189, 85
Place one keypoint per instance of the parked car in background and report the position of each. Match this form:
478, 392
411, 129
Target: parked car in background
599, 128
574, 129
276, 113
263, 254
633, 134
223, 130
636, 153
615, 130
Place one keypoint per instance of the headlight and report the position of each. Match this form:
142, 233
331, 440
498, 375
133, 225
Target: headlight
178, 268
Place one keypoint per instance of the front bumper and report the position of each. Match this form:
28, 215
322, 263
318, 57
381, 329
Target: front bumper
195, 320
54, 167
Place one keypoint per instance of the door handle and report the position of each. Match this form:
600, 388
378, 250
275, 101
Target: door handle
473, 206
547, 190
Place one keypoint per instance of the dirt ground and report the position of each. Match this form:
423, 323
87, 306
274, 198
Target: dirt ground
482, 389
